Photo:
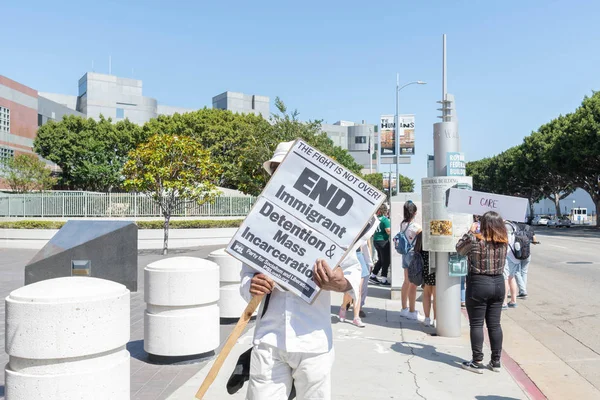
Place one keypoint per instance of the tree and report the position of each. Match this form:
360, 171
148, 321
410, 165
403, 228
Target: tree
407, 185
375, 179
25, 173
172, 170
90, 153
578, 148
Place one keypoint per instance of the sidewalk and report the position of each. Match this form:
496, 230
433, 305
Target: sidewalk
392, 358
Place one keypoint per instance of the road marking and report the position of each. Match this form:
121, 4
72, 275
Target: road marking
560, 247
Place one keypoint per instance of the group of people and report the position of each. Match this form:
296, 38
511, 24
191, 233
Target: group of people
292, 353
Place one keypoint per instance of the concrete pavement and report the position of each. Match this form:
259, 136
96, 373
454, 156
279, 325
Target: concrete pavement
392, 358
35, 239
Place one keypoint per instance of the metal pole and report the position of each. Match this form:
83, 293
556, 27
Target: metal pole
446, 139
397, 133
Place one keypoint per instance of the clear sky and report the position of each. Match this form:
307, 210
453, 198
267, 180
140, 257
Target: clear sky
512, 65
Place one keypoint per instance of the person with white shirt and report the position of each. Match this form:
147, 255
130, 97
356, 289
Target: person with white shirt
293, 340
409, 291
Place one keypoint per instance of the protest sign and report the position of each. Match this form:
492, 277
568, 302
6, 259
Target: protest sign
442, 228
311, 208
478, 203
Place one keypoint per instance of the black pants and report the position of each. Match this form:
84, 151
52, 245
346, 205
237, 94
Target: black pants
484, 298
383, 254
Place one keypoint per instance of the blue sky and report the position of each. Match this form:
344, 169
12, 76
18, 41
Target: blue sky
512, 65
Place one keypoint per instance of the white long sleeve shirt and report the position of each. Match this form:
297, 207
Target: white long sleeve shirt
293, 325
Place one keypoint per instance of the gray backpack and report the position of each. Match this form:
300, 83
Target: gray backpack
415, 269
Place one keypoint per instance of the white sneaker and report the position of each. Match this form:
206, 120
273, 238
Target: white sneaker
427, 322
413, 316
404, 313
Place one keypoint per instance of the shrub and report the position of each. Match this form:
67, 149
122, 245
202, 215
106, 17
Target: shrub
158, 224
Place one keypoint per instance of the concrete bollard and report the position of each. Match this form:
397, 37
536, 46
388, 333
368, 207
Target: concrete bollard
66, 340
231, 302
182, 313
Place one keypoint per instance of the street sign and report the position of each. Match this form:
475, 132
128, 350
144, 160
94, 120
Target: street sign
311, 208
455, 164
478, 203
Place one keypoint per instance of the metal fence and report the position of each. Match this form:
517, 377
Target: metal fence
89, 204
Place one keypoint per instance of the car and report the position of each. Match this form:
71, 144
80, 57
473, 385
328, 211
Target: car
563, 223
552, 223
540, 220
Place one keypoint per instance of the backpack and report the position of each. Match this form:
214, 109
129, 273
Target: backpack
401, 242
523, 238
415, 269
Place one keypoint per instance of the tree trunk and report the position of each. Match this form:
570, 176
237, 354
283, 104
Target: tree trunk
597, 210
531, 210
166, 231
557, 204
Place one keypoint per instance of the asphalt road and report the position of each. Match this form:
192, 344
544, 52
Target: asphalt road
563, 308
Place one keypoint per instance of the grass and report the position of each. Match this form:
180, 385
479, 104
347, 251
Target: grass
156, 224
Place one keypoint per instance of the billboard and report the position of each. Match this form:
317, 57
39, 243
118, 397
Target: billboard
407, 135
387, 136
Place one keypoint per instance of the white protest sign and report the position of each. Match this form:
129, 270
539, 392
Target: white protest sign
478, 203
311, 208
442, 228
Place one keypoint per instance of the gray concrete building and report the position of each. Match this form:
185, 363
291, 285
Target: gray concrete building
113, 97
354, 137
242, 103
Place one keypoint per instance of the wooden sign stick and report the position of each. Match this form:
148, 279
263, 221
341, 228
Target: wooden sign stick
231, 340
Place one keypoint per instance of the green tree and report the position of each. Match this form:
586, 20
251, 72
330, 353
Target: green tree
375, 179
577, 150
90, 153
407, 185
25, 173
172, 170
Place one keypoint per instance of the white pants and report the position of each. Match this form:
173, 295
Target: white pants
273, 371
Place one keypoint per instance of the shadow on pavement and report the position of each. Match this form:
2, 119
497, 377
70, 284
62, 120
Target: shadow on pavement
427, 352
136, 350
574, 231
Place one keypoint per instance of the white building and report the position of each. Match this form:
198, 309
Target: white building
354, 137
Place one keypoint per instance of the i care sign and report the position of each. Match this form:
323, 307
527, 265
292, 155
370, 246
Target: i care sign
478, 203
311, 208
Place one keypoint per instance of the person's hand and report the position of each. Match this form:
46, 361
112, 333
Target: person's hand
474, 227
261, 285
328, 279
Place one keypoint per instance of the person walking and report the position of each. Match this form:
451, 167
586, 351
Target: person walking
409, 291
518, 267
486, 253
293, 340
381, 240
364, 257
428, 283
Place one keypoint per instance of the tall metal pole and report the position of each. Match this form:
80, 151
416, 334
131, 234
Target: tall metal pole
446, 139
397, 133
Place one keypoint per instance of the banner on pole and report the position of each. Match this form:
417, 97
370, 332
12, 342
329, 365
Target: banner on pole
442, 228
407, 134
311, 208
387, 136
478, 203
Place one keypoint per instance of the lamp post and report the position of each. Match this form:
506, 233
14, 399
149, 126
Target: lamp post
397, 124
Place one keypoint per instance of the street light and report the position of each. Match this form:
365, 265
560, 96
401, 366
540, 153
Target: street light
397, 123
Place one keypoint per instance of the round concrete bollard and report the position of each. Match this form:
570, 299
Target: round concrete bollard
182, 312
231, 302
66, 339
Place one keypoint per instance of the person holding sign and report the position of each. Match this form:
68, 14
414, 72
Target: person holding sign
486, 253
293, 341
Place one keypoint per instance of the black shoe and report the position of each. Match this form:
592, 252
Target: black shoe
373, 279
495, 366
473, 366
522, 296
386, 283
362, 314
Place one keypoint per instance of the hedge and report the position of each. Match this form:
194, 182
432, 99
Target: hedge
156, 224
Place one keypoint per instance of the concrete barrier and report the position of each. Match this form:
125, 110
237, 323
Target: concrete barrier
66, 340
231, 302
182, 312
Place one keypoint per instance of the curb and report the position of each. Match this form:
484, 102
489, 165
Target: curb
516, 372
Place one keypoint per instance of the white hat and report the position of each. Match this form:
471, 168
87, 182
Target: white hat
280, 153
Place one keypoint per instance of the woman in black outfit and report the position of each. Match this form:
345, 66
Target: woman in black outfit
486, 252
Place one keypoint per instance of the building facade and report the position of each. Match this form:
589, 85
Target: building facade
355, 137
242, 103
18, 118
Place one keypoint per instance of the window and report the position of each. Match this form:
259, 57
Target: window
6, 153
83, 88
360, 140
120, 113
40, 120
4, 120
